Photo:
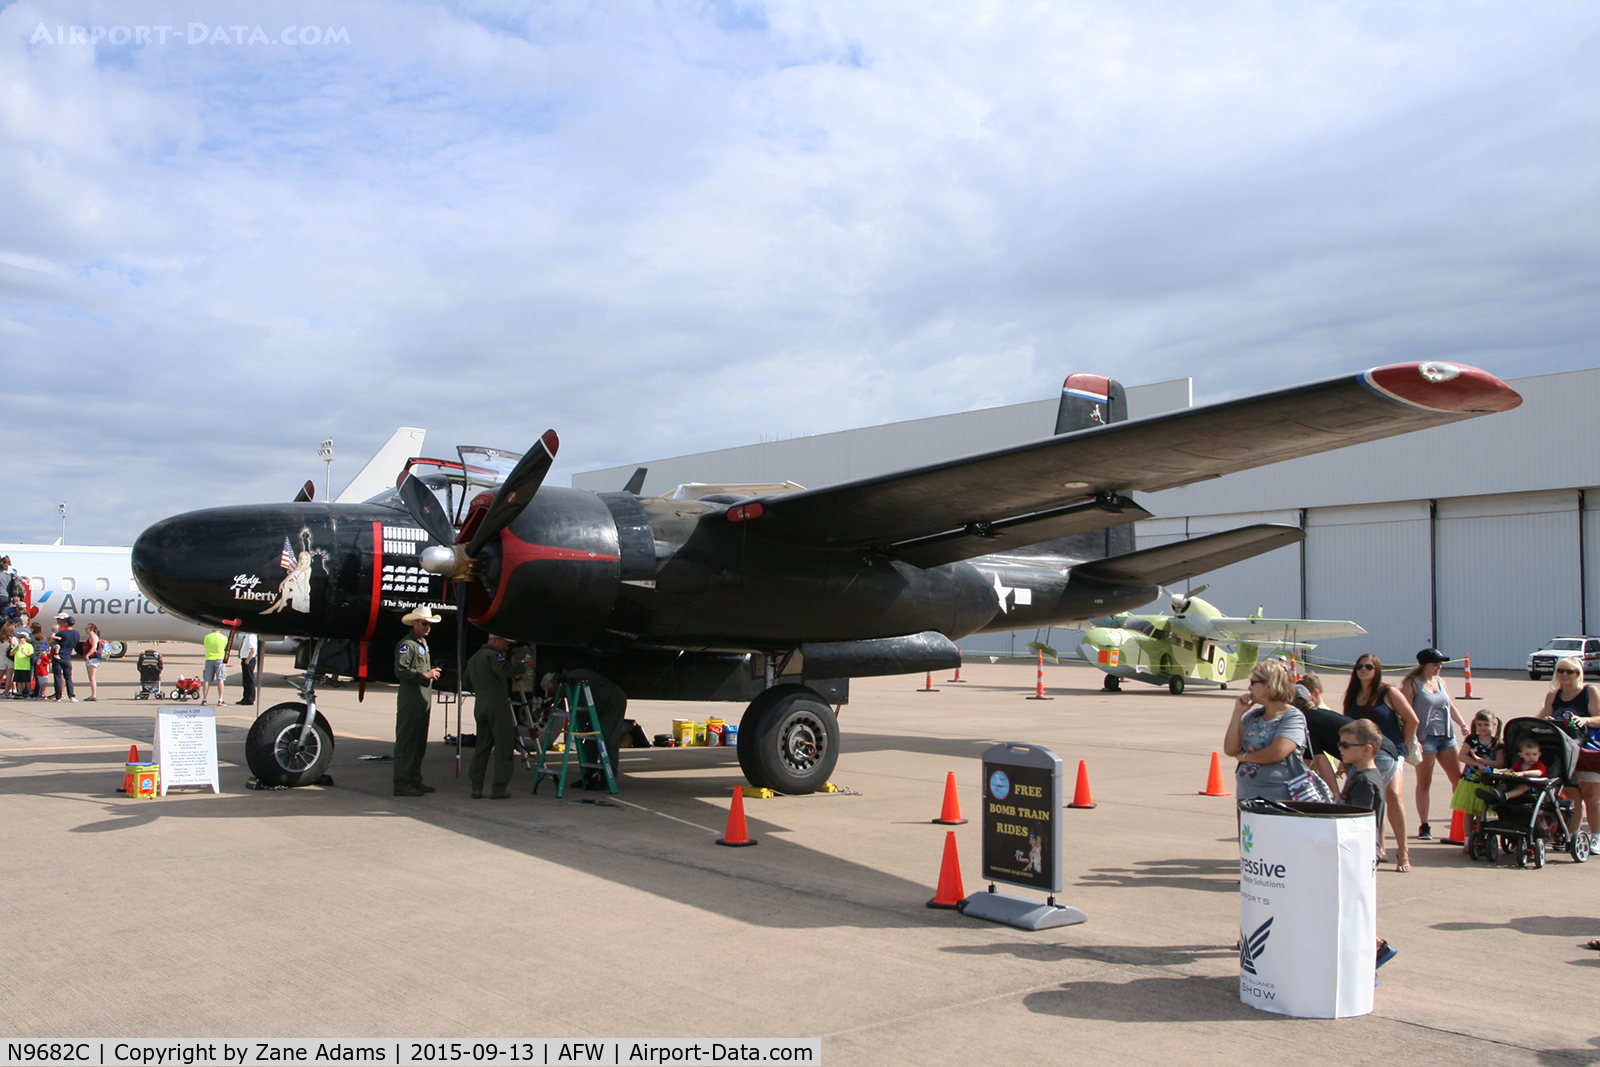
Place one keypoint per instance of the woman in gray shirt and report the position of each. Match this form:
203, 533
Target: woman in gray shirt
1437, 719
1263, 739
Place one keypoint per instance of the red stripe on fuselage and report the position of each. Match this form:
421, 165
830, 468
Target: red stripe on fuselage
514, 552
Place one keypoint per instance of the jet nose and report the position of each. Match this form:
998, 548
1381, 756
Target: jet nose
275, 568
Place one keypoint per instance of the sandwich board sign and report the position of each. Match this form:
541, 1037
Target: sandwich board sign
1021, 828
186, 747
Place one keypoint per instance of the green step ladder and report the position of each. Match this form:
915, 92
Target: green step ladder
574, 698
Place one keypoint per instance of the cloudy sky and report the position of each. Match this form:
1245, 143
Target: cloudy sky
661, 228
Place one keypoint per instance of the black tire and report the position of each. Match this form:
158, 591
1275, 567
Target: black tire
1473, 849
793, 739
1491, 848
1175, 685
749, 726
272, 749
1536, 676
1579, 845
1536, 853
1112, 684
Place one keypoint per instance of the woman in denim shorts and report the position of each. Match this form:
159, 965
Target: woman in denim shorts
1437, 720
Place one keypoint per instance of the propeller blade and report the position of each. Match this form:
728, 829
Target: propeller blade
516, 492
636, 483
1202, 589
306, 492
426, 509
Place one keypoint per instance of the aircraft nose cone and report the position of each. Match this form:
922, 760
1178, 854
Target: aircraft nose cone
270, 567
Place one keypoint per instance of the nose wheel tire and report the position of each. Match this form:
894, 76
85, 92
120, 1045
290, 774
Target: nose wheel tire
274, 751
789, 740
1175, 685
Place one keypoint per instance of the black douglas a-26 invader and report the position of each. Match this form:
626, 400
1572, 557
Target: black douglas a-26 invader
774, 599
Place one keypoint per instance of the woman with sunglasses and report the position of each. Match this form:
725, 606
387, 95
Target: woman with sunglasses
1570, 699
1266, 740
1367, 697
1438, 721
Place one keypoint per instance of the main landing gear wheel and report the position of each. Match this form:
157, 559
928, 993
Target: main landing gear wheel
1112, 684
274, 752
1175, 685
788, 740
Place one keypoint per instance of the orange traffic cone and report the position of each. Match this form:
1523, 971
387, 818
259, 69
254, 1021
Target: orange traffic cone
1214, 781
1458, 829
738, 836
127, 785
1038, 686
957, 676
950, 894
950, 815
1081, 797
927, 686
1469, 695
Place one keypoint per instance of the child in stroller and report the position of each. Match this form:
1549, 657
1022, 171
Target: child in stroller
149, 664
1527, 808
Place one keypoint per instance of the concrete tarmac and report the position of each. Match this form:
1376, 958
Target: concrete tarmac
345, 911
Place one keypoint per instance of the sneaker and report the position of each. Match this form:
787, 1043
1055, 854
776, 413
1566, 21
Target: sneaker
1424, 832
73, 699
1386, 952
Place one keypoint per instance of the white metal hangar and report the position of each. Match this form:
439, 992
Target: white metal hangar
1476, 538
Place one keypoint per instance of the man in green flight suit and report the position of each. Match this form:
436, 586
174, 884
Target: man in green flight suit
416, 675
610, 705
490, 671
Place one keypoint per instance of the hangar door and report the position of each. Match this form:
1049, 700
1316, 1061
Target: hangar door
1370, 564
1507, 574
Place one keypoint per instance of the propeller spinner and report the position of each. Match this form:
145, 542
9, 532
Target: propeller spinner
459, 561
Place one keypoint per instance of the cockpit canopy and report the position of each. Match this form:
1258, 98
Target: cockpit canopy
454, 482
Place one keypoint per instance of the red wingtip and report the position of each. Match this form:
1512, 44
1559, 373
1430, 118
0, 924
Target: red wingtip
551, 441
1440, 386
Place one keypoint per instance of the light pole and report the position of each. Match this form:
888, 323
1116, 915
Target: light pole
63, 509
326, 452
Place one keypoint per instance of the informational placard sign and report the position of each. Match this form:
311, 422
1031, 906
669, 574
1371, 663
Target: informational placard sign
1022, 816
186, 747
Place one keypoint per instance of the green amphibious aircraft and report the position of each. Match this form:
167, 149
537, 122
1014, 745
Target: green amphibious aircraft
1196, 643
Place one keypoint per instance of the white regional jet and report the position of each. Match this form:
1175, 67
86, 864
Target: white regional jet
95, 583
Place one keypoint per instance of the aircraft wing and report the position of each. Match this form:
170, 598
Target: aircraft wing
1283, 631
1075, 482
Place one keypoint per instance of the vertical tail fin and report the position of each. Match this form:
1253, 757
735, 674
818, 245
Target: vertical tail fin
1090, 400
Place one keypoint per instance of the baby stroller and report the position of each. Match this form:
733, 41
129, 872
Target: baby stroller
149, 664
185, 688
1522, 826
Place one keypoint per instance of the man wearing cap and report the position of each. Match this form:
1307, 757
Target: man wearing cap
491, 671
416, 674
63, 643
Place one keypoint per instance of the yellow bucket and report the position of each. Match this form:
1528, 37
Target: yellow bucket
147, 781
700, 733
683, 731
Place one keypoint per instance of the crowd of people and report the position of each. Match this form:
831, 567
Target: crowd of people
1281, 732
42, 661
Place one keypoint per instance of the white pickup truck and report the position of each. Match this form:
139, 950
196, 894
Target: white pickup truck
1542, 664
